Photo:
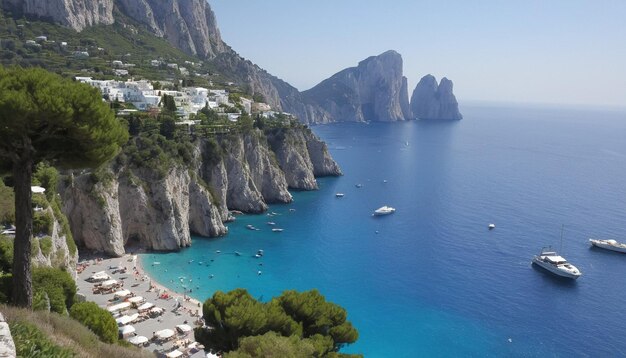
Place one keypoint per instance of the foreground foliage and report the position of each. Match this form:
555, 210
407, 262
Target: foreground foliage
292, 322
62, 334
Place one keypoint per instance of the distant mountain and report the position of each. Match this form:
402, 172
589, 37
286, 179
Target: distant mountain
375, 90
434, 101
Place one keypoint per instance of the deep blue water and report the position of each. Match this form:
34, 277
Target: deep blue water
431, 280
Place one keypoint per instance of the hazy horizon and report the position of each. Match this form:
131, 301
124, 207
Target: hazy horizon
559, 52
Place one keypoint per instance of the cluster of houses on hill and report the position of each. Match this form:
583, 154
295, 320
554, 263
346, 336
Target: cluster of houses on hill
189, 100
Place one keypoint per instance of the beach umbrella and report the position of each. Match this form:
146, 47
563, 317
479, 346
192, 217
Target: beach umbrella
165, 333
122, 293
137, 340
126, 330
119, 307
109, 283
174, 354
124, 320
184, 328
145, 306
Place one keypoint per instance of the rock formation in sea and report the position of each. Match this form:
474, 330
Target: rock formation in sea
375, 90
136, 206
434, 101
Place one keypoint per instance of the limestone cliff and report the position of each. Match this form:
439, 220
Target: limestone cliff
375, 90
76, 14
189, 25
434, 101
136, 207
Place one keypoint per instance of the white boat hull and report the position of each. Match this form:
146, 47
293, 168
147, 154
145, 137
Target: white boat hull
603, 245
548, 267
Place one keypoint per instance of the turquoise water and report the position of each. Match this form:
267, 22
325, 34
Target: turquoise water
431, 280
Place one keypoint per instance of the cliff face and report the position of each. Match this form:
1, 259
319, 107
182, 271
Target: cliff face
76, 14
53, 250
375, 90
189, 25
236, 172
434, 101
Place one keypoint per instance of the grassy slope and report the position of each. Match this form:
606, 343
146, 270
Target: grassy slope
68, 333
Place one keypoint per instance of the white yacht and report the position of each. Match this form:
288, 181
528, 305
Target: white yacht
277, 230
609, 245
492, 226
339, 195
556, 264
385, 210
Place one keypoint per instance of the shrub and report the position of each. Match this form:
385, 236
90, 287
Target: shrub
43, 223
96, 319
6, 286
6, 254
59, 286
30, 342
7, 204
45, 244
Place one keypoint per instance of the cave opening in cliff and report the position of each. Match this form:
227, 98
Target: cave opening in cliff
133, 244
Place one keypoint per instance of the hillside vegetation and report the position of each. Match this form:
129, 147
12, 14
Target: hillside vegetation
44, 334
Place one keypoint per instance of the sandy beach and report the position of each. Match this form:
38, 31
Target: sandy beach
129, 275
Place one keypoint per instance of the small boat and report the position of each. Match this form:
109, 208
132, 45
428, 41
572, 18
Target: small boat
237, 253
260, 252
609, 245
271, 223
259, 273
385, 210
556, 264
292, 210
385, 181
250, 227
218, 251
358, 185
339, 195
277, 230
492, 226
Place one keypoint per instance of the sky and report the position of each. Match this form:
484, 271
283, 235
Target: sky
523, 51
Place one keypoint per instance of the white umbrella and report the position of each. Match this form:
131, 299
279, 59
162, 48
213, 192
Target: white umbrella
137, 340
184, 328
145, 306
127, 330
174, 354
109, 283
124, 320
165, 334
135, 299
119, 307
122, 293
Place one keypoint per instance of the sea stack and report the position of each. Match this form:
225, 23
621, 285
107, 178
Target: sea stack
434, 101
375, 90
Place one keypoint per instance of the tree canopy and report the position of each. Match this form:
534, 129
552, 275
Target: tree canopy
306, 319
44, 117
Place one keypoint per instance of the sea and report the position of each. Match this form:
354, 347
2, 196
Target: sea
431, 280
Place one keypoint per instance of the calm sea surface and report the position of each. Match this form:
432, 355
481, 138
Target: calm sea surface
431, 280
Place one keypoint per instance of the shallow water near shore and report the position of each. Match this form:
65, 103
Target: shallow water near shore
431, 279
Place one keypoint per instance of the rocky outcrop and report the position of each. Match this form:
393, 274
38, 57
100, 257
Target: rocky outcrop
375, 90
53, 250
434, 101
139, 208
76, 14
189, 25
7, 346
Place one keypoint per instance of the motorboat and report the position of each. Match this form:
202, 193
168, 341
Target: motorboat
271, 223
277, 230
358, 185
609, 245
385, 210
492, 226
339, 195
556, 264
251, 227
